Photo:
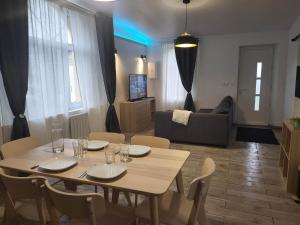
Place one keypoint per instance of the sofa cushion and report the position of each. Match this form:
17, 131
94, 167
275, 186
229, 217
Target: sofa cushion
224, 106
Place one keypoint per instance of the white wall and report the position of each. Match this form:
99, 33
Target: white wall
218, 68
290, 107
154, 85
128, 61
217, 72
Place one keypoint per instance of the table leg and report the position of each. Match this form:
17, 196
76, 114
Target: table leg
106, 194
154, 210
179, 182
115, 196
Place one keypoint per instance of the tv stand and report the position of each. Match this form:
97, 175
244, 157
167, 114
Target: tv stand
136, 116
140, 99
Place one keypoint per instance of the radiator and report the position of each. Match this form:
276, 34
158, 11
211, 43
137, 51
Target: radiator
5, 134
79, 125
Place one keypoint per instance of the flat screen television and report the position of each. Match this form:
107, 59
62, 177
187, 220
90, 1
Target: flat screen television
137, 86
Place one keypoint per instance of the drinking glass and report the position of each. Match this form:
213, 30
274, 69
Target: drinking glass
83, 142
124, 153
110, 157
57, 138
115, 148
77, 148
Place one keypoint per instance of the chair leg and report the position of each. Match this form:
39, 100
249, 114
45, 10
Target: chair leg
179, 183
127, 196
136, 199
115, 196
71, 186
137, 221
202, 216
10, 218
106, 194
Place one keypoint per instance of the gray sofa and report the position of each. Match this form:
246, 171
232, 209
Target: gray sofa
208, 126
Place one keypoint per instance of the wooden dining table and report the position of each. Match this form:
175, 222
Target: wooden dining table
150, 175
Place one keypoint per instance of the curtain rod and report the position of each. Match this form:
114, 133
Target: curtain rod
73, 4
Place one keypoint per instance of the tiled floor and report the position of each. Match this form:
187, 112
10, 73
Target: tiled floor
247, 187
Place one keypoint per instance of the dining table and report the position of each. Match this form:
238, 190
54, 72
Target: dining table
150, 175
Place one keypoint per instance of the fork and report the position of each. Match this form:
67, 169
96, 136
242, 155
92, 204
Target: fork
34, 167
83, 175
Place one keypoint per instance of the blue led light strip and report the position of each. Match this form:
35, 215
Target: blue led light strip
130, 38
129, 31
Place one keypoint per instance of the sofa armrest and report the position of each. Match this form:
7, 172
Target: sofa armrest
163, 124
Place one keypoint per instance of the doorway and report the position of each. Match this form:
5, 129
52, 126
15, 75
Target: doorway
254, 85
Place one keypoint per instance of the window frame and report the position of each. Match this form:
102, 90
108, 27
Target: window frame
73, 106
258, 77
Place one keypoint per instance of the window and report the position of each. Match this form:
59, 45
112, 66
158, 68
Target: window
75, 95
173, 93
258, 86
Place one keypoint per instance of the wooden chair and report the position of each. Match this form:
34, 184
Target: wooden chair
176, 209
116, 138
13, 148
107, 136
16, 147
84, 209
151, 141
24, 200
154, 142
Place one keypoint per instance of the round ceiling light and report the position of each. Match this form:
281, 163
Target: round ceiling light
186, 40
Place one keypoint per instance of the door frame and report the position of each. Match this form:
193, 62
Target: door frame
274, 46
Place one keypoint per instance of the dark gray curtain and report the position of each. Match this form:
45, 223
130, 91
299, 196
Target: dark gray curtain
105, 35
186, 60
14, 60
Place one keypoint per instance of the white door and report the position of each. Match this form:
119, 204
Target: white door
254, 86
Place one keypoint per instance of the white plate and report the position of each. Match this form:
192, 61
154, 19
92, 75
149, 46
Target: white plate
138, 150
96, 145
58, 164
106, 171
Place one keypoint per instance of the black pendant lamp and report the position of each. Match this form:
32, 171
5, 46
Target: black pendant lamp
186, 40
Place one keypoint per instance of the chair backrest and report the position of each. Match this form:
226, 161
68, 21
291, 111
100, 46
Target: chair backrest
13, 148
21, 188
74, 205
154, 142
199, 188
107, 136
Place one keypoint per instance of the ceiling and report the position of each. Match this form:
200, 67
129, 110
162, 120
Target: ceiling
164, 19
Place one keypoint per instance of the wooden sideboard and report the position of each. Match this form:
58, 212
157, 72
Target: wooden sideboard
136, 116
290, 156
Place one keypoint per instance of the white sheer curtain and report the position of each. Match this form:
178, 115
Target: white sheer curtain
48, 82
48, 97
6, 116
173, 92
87, 62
